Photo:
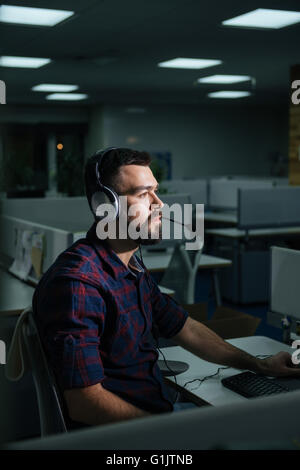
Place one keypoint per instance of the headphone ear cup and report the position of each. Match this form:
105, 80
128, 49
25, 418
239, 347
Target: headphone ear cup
106, 196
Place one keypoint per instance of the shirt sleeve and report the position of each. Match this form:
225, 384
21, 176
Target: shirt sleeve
70, 317
168, 315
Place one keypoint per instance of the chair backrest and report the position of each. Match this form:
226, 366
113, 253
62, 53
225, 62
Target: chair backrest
180, 274
50, 405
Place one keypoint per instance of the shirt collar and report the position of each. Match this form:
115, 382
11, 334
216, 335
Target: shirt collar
118, 268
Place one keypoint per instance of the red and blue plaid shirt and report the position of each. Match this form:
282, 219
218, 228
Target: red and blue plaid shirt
95, 318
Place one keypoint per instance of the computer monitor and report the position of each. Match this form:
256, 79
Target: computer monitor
284, 286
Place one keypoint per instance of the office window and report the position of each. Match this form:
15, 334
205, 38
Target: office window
24, 160
23, 166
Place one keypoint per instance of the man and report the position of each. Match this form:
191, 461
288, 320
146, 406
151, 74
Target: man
96, 307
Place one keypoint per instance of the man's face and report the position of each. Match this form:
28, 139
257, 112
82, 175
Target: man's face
138, 184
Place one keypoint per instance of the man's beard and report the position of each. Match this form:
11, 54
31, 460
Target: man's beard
151, 241
148, 234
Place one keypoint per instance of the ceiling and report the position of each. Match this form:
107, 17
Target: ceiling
111, 48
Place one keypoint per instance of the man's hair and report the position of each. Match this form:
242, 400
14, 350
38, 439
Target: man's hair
109, 167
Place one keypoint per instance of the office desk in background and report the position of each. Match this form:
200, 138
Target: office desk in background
237, 234
248, 278
220, 219
211, 391
159, 261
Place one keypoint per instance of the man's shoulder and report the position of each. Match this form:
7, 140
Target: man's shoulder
81, 261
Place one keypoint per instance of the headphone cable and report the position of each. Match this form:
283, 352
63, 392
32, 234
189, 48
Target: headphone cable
155, 329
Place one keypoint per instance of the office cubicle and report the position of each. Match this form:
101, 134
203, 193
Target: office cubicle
266, 216
30, 226
269, 207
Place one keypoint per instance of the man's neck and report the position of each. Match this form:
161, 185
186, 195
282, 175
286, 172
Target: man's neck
124, 249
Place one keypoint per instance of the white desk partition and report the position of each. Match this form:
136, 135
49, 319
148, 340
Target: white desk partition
285, 292
223, 193
56, 212
55, 239
270, 207
197, 188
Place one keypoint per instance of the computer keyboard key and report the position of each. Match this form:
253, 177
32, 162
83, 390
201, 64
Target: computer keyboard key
251, 385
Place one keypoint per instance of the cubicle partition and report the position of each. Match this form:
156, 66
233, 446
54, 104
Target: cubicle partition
223, 193
269, 207
16, 240
49, 224
54, 211
196, 188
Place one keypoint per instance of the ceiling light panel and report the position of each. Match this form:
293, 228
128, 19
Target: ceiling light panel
224, 79
186, 63
67, 96
229, 94
264, 18
23, 62
51, 87
32, 16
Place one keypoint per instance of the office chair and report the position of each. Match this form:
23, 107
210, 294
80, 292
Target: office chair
181, 272
50, 406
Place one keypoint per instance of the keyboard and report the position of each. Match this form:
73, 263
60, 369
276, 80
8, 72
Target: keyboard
252, 385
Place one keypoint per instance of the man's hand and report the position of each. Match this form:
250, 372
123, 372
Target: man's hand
279, 365
200, 340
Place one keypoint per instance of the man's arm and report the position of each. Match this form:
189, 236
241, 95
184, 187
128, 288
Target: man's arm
203, 342
95, 405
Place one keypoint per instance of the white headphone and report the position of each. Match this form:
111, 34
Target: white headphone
105, 194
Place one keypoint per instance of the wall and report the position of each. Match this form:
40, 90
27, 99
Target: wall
37, 114
215, 140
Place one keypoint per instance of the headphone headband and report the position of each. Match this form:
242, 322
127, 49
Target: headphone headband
101, 154
105, 194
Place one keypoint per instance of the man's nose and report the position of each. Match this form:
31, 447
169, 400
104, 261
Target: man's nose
157, 201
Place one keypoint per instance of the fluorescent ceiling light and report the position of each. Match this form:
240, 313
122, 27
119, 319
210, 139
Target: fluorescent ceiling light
23, 62
52, 87
229, 94
32, 16
184, 63
67, 96
224, 79
264, 18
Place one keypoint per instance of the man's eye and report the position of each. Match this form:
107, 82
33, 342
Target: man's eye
143, 195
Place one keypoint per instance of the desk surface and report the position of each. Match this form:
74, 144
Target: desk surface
159, 261
260, 232
212, 391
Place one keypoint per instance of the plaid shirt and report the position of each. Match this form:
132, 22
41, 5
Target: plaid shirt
95, 320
